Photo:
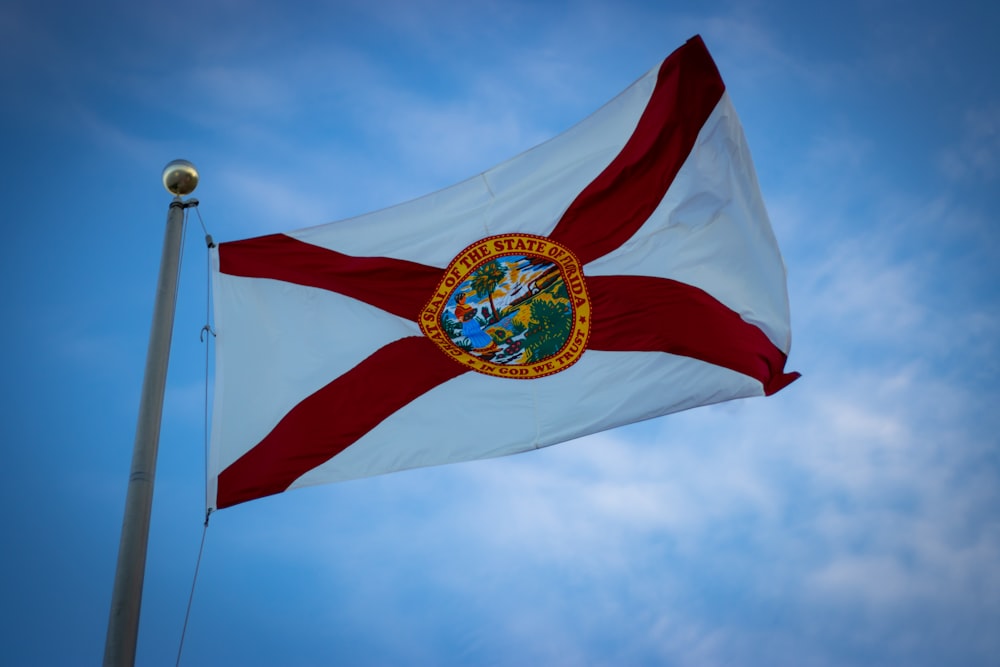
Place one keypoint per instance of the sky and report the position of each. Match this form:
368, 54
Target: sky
851, 519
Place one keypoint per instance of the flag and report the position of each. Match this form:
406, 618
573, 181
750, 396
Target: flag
623, 270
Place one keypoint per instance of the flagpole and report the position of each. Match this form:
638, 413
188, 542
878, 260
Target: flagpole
180, 178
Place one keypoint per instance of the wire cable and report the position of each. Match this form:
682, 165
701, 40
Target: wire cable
187, 613
209, 243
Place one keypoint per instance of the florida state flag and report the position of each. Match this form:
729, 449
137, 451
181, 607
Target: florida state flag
623, 270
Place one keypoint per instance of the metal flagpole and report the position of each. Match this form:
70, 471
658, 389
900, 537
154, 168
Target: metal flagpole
180, 178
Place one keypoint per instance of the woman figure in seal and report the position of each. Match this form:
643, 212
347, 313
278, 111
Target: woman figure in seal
482, 343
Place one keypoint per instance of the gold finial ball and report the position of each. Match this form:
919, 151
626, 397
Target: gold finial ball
180, 178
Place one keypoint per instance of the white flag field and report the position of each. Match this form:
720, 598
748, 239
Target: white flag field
623, 270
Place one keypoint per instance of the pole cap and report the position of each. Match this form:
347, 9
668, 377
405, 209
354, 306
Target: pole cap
180, 178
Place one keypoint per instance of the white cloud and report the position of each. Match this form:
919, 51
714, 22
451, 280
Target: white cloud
268, 202
975, 156
862, 295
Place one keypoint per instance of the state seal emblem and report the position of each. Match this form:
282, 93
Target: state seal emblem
513, 305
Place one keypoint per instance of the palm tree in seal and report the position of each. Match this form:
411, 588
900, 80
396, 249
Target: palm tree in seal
485, 280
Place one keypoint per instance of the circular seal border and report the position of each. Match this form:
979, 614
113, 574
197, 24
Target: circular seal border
493, 247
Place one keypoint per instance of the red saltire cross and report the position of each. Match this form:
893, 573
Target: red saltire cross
629, 313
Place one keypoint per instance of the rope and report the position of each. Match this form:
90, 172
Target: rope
209, 244
208, 241
197, 566
207, 328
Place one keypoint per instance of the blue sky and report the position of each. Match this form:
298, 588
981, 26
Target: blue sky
852, 519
